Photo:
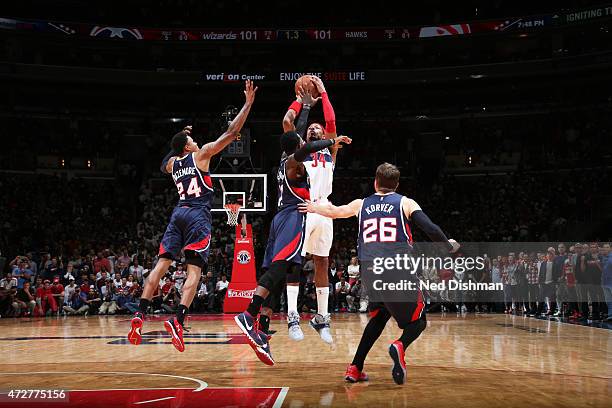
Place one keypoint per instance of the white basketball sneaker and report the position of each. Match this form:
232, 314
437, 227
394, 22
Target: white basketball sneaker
293, 323
321, 325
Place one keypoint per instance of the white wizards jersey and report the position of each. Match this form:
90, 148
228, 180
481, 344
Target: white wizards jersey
320, 168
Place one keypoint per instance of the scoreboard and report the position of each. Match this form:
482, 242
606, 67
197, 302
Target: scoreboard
239, 148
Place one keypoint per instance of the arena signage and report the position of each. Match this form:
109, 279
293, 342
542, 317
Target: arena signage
308, 34
285, 76
588, 14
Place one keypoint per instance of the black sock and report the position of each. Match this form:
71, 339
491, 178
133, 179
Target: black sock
181, 312
255, 305
412, 332
264, 323
144, 305
371, 333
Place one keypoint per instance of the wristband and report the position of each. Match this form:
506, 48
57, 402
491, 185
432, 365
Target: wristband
296, 106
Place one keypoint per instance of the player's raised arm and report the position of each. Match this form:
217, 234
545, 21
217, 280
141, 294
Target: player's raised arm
331, 211
233, 130
328, 113
413, 212
315, 146
328, 109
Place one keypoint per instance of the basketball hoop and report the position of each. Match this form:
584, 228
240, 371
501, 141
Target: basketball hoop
232, 210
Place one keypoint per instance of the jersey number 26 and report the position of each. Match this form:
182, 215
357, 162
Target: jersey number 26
380, 230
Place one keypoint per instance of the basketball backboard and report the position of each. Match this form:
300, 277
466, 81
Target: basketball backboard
248, 190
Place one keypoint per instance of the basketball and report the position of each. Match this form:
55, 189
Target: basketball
305, 82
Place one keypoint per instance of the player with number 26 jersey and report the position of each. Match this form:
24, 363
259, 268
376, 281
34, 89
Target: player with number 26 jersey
382, 219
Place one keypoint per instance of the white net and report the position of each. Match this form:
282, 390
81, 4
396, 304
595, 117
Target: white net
232, 210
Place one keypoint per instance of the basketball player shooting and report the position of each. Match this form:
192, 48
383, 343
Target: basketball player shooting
301, 106
189, 229
386, 214
319, 230
283, 250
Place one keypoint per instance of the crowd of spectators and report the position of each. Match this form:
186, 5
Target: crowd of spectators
105, 283
262, 56
574, 282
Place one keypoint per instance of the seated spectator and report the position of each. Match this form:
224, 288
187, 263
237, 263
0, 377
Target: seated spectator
220, 291
69, 290
8, 282
309, 298
122, 269
54, 267
354, 296
109, 299
93, 300
25, 301
124, 258
45, 298
171, 300
179, 276
25, 277
123, 298
70, 272
77, 304
342, 290
117, 280
85, 285
353, 271
102, 276
102, 262
57, 289
205, 296
22, 272
136, 270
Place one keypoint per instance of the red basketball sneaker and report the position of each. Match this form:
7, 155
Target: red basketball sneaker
175, 330
398, 371
353, 374
135, 334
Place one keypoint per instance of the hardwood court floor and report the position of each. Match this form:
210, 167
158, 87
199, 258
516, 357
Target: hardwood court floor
471, 361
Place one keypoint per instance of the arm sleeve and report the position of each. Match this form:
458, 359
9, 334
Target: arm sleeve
165, 161
428, 227
302, 121
329, 114
311, 147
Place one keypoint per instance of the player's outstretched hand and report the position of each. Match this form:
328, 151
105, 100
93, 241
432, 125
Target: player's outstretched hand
318, 83
307, 207
249, 91
305, 97
342, 139
187, 130
455, 245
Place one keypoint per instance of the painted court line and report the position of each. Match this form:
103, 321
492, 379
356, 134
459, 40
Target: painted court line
201, 384
154, 400
281, 397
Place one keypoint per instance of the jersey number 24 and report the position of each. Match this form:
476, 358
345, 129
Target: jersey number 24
194, 188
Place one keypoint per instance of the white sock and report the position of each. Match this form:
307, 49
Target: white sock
322, 300
292, 297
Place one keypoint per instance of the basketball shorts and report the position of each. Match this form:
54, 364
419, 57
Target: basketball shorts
286, 237
319, 235
189, 229
404, 313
